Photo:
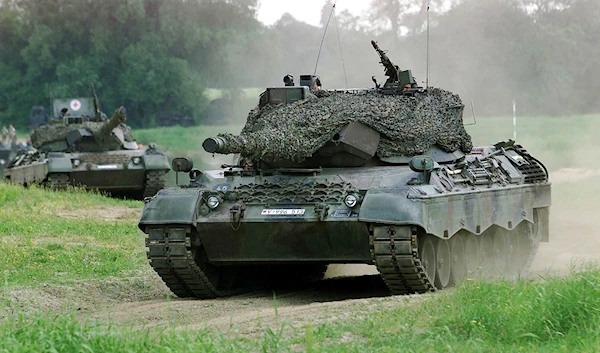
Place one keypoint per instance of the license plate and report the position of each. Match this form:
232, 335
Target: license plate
107, 166
283, 212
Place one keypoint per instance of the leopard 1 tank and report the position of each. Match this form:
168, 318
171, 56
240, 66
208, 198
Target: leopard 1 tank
385, 176
92, 152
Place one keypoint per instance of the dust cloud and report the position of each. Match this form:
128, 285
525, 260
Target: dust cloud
574, 232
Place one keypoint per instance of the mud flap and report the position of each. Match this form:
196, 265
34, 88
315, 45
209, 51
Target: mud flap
541, 219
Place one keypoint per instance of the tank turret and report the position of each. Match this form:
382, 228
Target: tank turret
341, 128
352, 146
79, 134
296, 126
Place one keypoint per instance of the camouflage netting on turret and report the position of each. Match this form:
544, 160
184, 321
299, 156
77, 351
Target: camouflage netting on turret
57, 130
408, 125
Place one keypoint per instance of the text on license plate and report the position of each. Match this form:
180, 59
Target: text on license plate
283, 212
108, 166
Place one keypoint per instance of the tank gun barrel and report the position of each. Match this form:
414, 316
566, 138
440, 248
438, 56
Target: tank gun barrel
118, 117
226, 144
213, 144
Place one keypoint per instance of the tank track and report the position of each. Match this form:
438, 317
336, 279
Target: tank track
58, 181
395, 253
155, 180
169, 251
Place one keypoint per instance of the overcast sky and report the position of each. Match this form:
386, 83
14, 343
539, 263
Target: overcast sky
308, 11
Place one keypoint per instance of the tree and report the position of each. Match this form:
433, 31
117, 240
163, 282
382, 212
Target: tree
538, 8
150, 55
405, 17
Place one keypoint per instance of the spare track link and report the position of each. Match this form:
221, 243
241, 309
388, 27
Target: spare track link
170, 254
395, 253
155, 180
535, 171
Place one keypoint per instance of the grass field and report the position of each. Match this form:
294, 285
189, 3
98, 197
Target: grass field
70, 237
546, 316
38, 245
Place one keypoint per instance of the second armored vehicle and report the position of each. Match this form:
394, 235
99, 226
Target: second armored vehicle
386, 176
90, 151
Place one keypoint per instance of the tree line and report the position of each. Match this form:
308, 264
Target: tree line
157, 57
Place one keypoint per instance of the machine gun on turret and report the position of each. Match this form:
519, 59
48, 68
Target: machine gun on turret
397, 80
391, 70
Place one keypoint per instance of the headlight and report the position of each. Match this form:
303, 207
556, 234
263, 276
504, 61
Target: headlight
213, 202
351, 201
136, 160
76, 162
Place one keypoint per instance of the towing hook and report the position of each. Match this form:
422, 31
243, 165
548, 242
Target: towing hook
322, 210
237, 213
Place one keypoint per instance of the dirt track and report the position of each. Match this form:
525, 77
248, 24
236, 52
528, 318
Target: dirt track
144, 301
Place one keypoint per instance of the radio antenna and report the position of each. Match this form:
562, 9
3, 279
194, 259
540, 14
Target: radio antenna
337, 31
427, 68
323, 39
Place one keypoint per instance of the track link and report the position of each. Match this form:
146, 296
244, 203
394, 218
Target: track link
155, 180
395, 253
169, 251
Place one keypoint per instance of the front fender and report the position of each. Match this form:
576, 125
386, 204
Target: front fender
171, 206
156, 161
59, 165
391, 207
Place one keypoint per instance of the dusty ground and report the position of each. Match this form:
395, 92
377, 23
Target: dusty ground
143, 301
574, 231
107, 213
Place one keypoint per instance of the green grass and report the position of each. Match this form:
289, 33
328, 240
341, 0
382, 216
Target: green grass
61, 237
65, 334
548, 315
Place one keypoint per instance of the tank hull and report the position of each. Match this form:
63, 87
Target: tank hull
128, 171
423, 231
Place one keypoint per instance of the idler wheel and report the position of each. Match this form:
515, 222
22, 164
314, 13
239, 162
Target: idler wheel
458, 258
444, 264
